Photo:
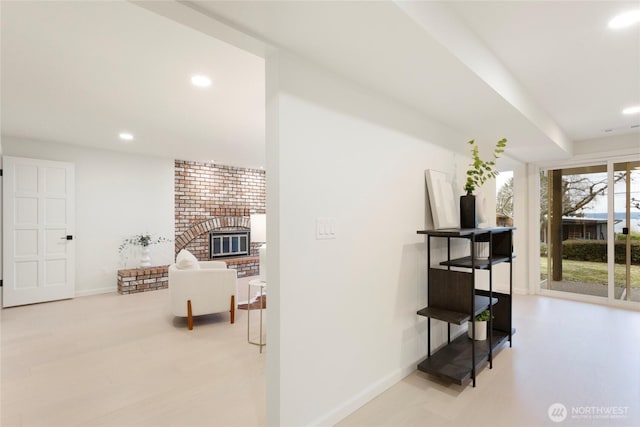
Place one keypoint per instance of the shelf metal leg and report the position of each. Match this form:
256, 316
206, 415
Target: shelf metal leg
428, 337
511, 288
448, 333
490, 324
473, 317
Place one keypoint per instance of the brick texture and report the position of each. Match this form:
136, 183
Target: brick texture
210, 197
146, 279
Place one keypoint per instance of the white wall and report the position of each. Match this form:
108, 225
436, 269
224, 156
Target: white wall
608, 146
117, 195
344, 309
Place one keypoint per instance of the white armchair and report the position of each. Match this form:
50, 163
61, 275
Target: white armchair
205, 290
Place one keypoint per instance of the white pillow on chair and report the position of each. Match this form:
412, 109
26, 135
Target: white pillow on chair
187, 261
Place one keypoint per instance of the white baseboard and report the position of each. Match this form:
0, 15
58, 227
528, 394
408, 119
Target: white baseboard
98, 291
342, 411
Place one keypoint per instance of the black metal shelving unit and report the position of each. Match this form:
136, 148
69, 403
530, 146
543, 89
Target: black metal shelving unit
453, 298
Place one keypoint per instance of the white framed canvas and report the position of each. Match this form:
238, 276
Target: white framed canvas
442, 200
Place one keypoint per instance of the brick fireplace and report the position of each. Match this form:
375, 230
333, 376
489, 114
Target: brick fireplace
210, 198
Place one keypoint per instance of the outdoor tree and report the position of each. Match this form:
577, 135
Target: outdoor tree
580, 190
504, 199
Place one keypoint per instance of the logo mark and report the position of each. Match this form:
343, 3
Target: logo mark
557, 412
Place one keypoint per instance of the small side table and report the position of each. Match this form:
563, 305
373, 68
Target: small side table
262, 285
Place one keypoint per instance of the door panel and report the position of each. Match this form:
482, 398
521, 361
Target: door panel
26, 178
26, 212
55, 211
38, 214
574, 242
26, 274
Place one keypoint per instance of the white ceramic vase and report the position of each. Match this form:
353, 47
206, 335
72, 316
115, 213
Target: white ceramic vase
145, 258
481, 250
481, 211
481, 330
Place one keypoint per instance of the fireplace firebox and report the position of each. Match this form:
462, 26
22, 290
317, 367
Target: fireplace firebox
229, 243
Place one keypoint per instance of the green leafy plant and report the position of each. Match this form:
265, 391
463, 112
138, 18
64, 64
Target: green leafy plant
481, 170
483, 317
143, 240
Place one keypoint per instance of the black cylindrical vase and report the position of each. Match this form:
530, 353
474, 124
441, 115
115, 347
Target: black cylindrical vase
468, 217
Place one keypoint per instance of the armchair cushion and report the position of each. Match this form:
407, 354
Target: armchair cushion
186, 261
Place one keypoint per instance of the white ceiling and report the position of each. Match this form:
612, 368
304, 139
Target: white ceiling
580, 71
82, 72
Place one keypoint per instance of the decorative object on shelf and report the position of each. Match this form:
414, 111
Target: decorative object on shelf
481, 250
481, 326
481, 212
144, 241
441, 199
145, 257
478, 173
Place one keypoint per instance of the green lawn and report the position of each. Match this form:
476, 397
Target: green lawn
592, 272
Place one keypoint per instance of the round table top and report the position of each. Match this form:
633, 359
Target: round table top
257, 282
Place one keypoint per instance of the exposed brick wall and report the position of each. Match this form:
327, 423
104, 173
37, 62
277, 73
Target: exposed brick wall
143, 279
245, 266
204, 191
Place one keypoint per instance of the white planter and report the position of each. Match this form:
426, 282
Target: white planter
481, 250
481, 330
145, 258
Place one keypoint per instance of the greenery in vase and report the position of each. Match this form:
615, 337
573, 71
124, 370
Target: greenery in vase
143, 240
480, 171
483, 317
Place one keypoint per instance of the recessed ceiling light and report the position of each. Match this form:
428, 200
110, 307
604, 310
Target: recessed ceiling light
632, 110
625, 20
126, 136
201, 81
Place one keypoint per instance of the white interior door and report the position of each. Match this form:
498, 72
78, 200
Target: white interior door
39, 226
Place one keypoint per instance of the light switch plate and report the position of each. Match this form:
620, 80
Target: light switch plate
325, 228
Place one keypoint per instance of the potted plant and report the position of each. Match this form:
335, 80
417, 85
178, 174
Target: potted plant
144, 241
481, 326
477, 174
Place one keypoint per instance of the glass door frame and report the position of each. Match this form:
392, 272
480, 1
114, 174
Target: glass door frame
534, 262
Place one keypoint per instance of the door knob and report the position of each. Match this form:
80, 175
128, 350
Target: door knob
67, 237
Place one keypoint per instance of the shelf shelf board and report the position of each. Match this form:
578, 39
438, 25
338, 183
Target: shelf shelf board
482, 264
480, 303
464, 232
453, 361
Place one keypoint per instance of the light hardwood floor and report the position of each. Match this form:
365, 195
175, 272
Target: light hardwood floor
119, 360
584, 356
113, 360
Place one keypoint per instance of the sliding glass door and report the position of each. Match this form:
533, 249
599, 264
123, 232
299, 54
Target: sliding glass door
627, 232
590, 231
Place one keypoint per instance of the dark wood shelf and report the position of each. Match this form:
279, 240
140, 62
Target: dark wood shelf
452, 297
480, 304
464, 232
482, 264
453, 361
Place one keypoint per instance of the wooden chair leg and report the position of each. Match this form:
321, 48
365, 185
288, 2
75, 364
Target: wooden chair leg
189, 316
233, 309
